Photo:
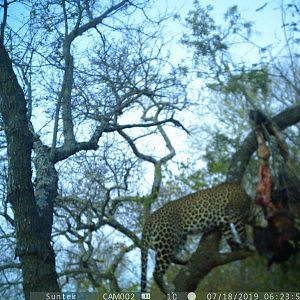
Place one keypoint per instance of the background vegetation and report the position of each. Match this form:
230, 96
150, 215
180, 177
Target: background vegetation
93, 108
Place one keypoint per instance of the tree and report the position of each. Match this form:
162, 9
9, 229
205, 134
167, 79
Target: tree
87, 96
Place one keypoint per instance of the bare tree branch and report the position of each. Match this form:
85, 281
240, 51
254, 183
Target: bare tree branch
118, 226
10, 266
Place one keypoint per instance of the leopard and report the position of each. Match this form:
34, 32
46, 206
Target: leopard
224, 207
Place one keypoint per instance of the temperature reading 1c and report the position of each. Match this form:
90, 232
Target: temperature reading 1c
172, 296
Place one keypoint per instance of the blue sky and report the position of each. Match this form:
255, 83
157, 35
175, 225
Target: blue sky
267, 20
267, 23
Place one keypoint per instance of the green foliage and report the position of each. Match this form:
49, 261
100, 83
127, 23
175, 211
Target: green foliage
192, 178
217, 154
213, 47
186, 180
210, 41
194, 181
250, 81
205, 36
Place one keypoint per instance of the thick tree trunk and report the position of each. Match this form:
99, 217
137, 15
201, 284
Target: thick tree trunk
46, 187
33, 245
206, 258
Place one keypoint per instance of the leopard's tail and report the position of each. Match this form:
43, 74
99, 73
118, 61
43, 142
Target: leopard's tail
144, 265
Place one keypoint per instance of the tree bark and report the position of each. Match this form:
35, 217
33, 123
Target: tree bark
205, 258
46, 186
33, 246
